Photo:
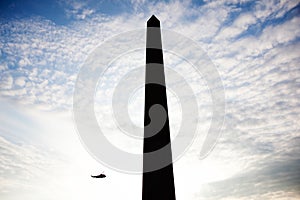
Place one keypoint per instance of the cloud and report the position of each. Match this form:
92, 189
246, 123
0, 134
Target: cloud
77, 9
41, 156
240, 25
19, 161
3, 67
6, 81
24, 62
20, 81
272, 9
272, 181
254, 47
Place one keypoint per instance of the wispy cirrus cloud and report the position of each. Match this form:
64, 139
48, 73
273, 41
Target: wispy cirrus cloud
77, 9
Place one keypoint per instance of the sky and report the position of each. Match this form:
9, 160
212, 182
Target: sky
252, 44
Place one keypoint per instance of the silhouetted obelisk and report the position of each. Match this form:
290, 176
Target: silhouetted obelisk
159, 184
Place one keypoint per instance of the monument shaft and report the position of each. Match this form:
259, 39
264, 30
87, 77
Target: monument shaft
159, 184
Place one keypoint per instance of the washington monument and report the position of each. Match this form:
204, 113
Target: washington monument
157, 184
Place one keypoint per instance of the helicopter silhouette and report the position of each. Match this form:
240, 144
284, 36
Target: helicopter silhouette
102, 175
